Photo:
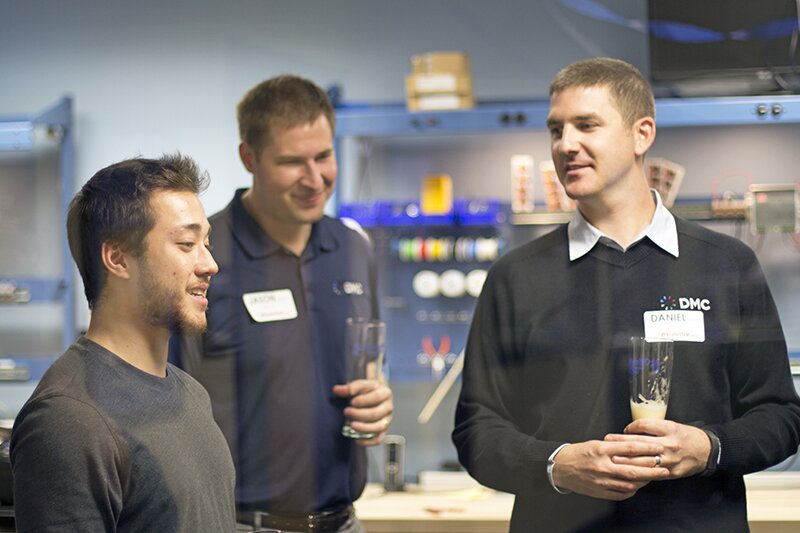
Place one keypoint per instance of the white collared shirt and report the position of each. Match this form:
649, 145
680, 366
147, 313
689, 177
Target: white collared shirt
661, 230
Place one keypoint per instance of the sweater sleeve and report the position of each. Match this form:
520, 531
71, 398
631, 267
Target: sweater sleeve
490, 444
67, 469
765, 428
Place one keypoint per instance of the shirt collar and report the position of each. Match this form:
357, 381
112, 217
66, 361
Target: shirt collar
661, 230
258, 244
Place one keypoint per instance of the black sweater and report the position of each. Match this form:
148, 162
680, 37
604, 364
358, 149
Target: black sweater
546, 364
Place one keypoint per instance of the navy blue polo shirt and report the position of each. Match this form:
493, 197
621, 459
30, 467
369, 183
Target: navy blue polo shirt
274, 401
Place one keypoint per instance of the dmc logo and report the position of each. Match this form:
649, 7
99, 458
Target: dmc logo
695, 303
670, 302
352, 288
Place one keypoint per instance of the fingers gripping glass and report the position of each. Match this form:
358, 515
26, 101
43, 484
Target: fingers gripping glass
365, 343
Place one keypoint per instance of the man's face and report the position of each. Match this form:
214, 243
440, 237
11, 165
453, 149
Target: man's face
295, 173
593, 150
176, 267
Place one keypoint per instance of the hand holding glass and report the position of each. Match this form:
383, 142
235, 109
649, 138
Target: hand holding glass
365, 343
650, 374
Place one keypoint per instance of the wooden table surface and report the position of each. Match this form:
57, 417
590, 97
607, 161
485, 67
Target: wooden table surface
773, 506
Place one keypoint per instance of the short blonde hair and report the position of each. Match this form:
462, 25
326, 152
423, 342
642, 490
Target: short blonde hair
284, 101
628, 87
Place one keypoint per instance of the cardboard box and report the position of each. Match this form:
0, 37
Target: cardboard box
440, 102
420, 84
440, 62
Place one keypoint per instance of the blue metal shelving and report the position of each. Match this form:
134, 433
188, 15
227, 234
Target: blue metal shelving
17, 135
395, 120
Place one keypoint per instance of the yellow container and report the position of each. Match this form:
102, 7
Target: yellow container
436, 197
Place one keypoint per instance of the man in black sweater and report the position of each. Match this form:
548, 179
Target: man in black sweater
544, 410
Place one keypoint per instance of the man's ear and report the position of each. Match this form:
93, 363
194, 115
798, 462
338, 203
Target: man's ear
644, 131
248, 156
115, 260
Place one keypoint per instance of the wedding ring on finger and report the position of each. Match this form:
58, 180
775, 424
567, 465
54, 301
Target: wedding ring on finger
658, 460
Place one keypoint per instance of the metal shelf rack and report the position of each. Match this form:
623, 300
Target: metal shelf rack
394, 120
17, 135
489, 117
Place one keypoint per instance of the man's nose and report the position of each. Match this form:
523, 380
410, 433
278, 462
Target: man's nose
568, 142
207, 266
313, 176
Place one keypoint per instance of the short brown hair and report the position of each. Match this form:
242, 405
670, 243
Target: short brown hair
628, 87
284, 101
114, 206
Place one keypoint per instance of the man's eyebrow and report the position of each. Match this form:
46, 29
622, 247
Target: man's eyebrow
292, 158
588, 116
577, 118
194, 227
288, 158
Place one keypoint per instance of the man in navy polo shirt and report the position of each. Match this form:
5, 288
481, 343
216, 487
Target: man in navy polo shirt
544, 410
273, 356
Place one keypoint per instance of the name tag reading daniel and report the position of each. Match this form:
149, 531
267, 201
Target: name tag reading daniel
270, 306
676, 325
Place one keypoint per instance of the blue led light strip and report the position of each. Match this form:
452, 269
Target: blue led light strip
681, 32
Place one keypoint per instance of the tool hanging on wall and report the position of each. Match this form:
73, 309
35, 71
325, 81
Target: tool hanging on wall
441, 390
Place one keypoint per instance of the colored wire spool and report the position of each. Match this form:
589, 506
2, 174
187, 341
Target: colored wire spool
416, 249
404, 250
431, 249
446, 246
451, 283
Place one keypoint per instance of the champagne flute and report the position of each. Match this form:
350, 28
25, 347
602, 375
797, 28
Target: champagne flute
650, 374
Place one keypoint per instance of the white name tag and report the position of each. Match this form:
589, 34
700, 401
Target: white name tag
270, 306
676, 325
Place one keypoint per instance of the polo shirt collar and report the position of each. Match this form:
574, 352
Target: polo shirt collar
661, 230
259, 245
322, 238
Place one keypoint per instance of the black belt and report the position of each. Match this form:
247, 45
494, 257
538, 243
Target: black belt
322, 522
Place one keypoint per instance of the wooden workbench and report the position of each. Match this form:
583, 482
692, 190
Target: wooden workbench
773, 506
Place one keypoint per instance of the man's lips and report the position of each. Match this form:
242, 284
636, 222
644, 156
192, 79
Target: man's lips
576, 166
198, 292
311, 199
573, 169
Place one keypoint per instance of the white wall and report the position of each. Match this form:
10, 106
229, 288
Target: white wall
157, 76
152, 76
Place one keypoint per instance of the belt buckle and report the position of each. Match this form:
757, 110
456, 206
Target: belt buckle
257, 516
324, 521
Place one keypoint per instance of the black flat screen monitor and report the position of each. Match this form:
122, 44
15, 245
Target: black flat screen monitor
753, 40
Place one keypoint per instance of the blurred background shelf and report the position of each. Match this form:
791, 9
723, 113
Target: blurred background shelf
36, 273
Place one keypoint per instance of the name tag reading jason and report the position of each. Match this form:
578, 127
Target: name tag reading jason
270, 306
676, 325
